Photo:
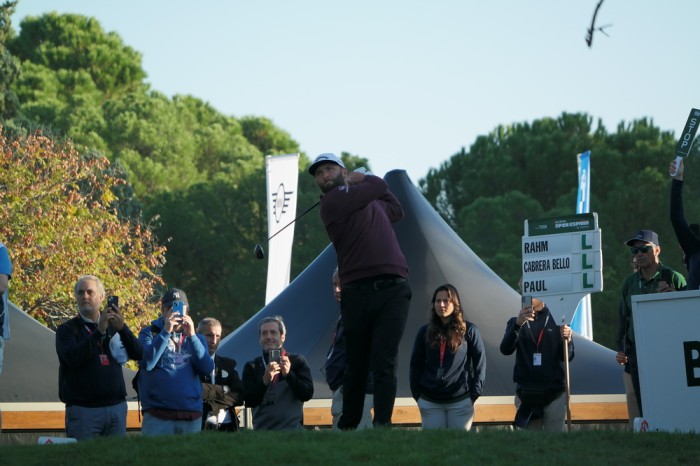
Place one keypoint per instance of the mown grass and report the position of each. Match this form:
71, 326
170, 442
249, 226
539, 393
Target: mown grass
378, 447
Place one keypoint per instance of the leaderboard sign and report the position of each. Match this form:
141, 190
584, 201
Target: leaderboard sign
562, 256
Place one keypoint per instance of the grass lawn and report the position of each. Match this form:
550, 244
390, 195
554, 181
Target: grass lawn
378, 447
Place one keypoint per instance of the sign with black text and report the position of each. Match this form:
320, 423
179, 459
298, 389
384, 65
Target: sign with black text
562, 258
685, 142
668, 355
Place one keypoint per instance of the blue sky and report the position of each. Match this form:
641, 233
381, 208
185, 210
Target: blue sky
409, 83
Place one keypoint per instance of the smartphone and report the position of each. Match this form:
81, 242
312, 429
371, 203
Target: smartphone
179, 308
526, 301
273, 355
667, 276
113, 302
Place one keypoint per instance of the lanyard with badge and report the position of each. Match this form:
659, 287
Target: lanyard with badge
537, 356
441, 369
178, 340
104, 359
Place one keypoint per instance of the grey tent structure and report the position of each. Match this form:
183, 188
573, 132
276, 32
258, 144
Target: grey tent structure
436, 255
30, 368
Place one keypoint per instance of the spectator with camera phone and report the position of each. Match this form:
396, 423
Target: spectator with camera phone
174, 359
539, 347
91, 348
276, 384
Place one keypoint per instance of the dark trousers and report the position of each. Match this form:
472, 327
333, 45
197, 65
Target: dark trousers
374, 321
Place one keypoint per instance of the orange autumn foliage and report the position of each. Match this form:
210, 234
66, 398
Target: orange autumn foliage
58, 219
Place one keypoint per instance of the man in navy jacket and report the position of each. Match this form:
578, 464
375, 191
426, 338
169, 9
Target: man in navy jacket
91, 349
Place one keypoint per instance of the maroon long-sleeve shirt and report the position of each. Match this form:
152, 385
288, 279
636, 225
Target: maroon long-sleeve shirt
358, 220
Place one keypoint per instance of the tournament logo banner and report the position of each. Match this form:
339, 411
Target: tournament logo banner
282, 179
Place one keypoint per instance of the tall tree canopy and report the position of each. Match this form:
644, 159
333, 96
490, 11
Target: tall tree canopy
85, 83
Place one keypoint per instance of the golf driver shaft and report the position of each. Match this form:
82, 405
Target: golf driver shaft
258, 247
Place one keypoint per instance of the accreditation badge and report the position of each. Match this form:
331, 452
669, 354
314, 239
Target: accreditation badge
537, 359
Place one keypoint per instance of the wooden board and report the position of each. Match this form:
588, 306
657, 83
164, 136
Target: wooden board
499, 410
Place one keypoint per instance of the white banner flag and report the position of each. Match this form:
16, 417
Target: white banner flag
282, 178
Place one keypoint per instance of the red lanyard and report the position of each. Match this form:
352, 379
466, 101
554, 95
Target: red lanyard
89, 332
178, 345
443, 345
539, 338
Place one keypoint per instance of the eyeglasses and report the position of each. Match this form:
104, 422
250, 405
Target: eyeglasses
643, 249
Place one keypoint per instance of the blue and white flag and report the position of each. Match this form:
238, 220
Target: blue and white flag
582, 322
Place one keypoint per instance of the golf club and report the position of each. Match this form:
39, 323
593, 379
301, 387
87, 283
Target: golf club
260, 252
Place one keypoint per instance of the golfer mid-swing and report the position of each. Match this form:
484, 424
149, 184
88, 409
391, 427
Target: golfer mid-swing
357, 210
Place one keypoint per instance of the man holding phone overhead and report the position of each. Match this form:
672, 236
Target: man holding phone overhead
538, 343
276, 384
90, 377
174, 358
651, 277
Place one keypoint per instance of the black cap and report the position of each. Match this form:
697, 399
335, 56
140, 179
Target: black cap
173, 294
647, 236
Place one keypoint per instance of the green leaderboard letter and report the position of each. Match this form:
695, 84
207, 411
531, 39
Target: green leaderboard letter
584, 262
584, 242
585, 282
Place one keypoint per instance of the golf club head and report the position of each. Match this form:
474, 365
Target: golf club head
259, 252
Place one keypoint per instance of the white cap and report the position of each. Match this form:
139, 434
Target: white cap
363, 170
325, 158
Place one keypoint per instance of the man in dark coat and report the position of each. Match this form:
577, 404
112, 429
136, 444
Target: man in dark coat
222, 390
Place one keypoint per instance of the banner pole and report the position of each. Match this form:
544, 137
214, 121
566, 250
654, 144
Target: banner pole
567, 384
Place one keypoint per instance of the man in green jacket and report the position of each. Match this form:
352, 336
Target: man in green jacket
651, 277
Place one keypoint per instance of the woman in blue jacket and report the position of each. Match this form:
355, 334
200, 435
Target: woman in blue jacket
448, 364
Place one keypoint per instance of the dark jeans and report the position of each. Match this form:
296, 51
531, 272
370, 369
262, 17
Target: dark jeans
374, 321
